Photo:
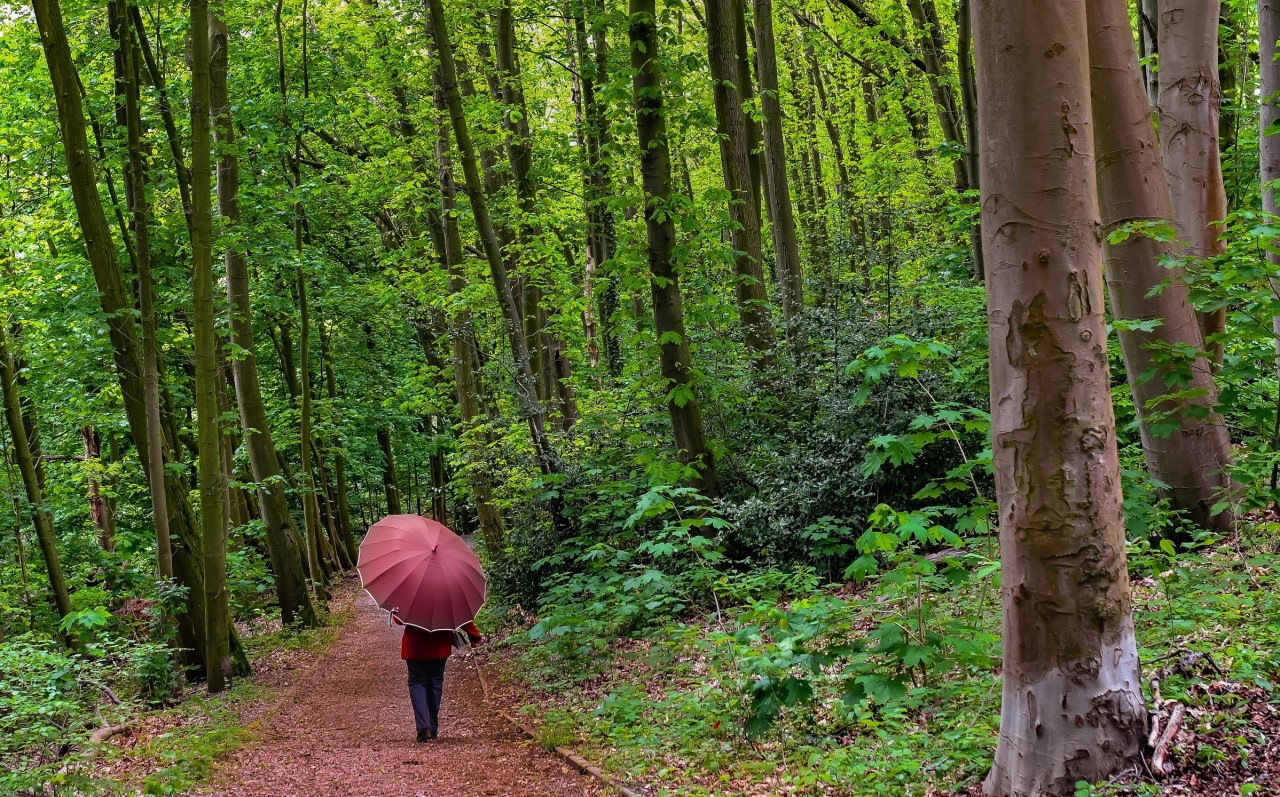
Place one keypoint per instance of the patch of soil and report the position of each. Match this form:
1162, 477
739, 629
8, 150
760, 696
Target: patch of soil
346, 728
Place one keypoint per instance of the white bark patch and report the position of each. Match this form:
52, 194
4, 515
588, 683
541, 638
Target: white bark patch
1082, 722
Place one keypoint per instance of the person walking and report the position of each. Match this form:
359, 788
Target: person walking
425, 653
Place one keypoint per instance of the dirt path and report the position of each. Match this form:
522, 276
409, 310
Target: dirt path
346, 730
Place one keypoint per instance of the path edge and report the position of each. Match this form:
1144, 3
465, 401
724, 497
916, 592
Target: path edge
567, 754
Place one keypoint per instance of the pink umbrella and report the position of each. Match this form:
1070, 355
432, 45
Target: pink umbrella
422, 571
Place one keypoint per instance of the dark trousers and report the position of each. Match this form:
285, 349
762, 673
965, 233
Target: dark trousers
426, 684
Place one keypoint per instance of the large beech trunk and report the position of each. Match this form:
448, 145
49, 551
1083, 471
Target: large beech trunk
735, 157
31, 481
786, 246
1189, 103
1072, 704
208, 383
668, 317
282, 535
1191, 457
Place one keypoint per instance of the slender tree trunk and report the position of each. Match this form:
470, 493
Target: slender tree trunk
389, 482
735, 157
1148, 47
969, 98
139, 210
448, 246
525, 385
552, 369
282, 535
843, 179
98, 511
1190, 101
786, 245
593, 68
933, 51
1268, 117
213, 522
1192, 456
320, 564
1069, 646
155, 78
668, 316
117, 308
742, 38
31, 482
339, 460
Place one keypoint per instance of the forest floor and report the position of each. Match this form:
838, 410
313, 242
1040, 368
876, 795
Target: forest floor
326, 713
667, 706
345, 727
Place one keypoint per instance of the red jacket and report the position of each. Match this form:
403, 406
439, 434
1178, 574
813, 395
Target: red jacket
420, 644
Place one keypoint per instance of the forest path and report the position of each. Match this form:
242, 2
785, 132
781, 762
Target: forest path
346, 729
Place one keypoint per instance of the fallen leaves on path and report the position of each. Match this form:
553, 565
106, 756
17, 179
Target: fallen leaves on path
345, 729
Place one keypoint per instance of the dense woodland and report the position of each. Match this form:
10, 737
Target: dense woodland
776, 345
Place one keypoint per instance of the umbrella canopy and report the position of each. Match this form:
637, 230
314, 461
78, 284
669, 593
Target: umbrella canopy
422, 571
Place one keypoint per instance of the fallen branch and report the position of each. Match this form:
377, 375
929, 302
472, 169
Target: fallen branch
1161, 748
106, 732
568, 755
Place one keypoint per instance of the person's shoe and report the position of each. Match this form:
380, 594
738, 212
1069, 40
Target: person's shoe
423, 736
434, 733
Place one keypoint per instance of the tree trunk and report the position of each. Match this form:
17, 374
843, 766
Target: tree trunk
593, 66
786, 246
212, 520
98, 512
389, 481
1190, 100
139, 210
339, 460
668, 317
1072, 704
552, 369
283, 546
448, 246
969, 98
735, 157
1148, 47
156, 81
27, 459
1190, 449
1269, 116
525, 385
117, 308
933, 51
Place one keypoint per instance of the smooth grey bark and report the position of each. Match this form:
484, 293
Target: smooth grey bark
1192, 457
1072, 706
1189, 105
1269, 116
